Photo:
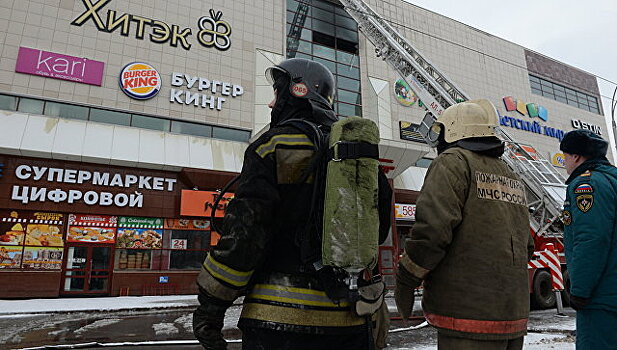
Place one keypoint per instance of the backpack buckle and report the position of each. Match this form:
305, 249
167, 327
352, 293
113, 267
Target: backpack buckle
335, 151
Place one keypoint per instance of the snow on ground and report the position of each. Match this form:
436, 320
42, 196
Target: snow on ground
165, 328
34, 306
97, 324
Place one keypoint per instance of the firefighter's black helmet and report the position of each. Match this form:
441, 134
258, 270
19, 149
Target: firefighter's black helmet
307, 80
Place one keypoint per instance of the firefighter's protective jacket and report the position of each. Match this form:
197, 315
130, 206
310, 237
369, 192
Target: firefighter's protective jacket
590, 219
470, 244
258, 254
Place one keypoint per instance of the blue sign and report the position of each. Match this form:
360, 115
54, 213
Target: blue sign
163, 279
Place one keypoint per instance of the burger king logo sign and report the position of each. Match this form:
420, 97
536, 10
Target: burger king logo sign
140, 81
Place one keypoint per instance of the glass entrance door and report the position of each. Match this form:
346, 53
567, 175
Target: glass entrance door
87, 269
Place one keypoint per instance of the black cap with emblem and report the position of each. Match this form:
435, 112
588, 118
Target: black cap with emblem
585, 143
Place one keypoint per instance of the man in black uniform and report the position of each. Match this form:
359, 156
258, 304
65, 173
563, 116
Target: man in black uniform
262, 251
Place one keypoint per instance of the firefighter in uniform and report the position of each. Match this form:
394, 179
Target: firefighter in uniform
589, 216
259, 254
471, 241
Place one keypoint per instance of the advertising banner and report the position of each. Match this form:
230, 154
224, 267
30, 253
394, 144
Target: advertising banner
59, 66
91, 228
139, 222
42, 258
187, 224
405, 211
139, 238
10, 257
31, 228
200, 203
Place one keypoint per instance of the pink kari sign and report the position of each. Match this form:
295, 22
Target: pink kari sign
58, 66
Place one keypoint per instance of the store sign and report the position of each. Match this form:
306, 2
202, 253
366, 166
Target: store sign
140, 81
213, 32
187, 224
404, 94
74, 177
87, 228
201, 203
405, 211
530, 110
211, 88
138, 222
579, 124
179, 244
558, 160
59, 66
31, 229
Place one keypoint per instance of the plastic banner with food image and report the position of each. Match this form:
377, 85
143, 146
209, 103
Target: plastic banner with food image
92, 228
43, 258
32, 229
140, 233
10, 257
187, 224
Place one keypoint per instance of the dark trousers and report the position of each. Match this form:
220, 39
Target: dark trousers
596, 330
265, 339
445, 342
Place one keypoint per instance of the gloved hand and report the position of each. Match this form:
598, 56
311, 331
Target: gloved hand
406, 283
208, 321
578, 303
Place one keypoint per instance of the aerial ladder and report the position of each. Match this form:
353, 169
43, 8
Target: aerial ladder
295, 30
545, 186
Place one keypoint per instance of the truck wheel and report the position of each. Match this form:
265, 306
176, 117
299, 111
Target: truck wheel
565, 295
543, 295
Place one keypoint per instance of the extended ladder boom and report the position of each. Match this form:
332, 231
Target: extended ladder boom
546, 189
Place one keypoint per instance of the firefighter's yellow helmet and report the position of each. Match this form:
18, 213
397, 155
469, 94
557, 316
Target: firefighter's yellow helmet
473, 118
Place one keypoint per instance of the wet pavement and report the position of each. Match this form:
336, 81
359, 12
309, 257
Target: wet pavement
547, 330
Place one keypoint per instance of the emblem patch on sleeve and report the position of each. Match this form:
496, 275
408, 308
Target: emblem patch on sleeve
584, 202
566, 217
586, 173
583, 188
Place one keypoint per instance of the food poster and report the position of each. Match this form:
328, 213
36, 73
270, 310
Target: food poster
187, 224
42, 258
140, 233
92, 228
10, 257
32, 229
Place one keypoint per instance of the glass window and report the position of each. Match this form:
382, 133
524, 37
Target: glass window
548, 94
536, 85
347, 34
561, 99
536, 91
331, 65
346, 22
191, 128
305, 33
324, 39
559, 88
323, 5
346, 45
231, 134
572, 102
141, 121
323, 15
323, 27
186, 259
305, 46
349, 84
347, 58
8, 103
324, 52
349, 110
104, 116
29, 105
594, 110
534, 79
546, 84
133, 259
63, 110
348, 96
346, 70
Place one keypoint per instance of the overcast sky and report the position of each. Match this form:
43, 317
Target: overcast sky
580, 33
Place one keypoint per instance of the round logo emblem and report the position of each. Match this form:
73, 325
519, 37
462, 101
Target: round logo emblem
566, 217
140, 81
299, 90
403, 93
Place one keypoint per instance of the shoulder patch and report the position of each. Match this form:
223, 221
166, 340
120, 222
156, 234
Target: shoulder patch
584, 202
566, 217
283, 139
586, 173
583, 188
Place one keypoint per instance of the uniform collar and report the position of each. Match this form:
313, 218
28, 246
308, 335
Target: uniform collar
587, 165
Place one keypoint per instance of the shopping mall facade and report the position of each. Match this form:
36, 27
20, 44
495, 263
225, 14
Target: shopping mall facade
119, 123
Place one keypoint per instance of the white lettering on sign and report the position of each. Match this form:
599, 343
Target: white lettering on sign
72, 176
202, 100
579, 124
501, 188
26, 194
178, 244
